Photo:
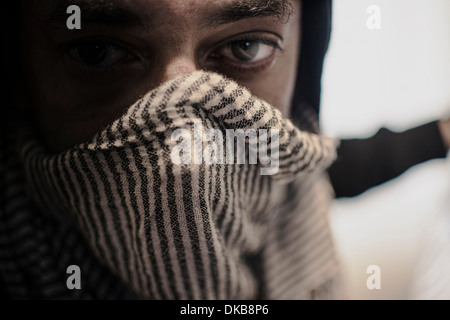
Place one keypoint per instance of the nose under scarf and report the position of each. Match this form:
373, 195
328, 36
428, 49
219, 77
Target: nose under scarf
195, 230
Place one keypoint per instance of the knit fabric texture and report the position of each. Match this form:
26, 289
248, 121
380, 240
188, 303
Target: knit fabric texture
141, 225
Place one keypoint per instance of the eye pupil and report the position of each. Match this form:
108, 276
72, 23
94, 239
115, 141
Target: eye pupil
245, 50
92, 53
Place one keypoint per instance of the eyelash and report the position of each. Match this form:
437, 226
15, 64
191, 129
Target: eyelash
271, 43
100, 70
255, 66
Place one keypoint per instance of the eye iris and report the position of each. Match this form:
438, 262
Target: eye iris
93, 53
245, 50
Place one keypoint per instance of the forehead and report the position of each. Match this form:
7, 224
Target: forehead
167, 9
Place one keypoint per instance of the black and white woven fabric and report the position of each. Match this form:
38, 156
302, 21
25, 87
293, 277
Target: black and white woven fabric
141, 225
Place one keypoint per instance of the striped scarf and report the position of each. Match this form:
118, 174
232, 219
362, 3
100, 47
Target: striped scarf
141, 226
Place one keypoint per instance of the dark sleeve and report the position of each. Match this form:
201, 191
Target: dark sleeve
365, 163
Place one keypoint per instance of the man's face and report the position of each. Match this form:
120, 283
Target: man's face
81, 80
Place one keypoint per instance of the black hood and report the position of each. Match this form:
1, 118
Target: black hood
315, 37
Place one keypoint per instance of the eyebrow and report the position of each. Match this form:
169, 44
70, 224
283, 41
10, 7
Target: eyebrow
113, 13
245, 9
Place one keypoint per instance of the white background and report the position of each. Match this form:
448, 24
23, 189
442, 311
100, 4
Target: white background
397, 77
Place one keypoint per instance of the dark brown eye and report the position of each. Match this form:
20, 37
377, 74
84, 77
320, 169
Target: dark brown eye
93, 53
245, 50
99, 53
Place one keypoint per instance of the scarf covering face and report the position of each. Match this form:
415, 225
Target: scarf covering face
215, 230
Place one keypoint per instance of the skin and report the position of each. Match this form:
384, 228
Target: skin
444, 128
71, 99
